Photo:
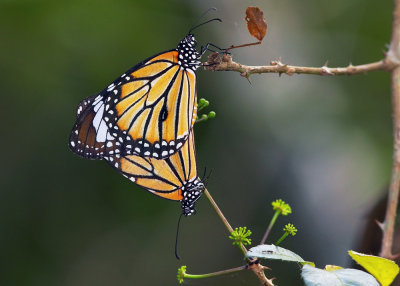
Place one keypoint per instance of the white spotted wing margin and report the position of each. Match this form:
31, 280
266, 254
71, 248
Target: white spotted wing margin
90, 137
174, 178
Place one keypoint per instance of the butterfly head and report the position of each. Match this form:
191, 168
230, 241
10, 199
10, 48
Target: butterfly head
188, 55
191, 193
190, 40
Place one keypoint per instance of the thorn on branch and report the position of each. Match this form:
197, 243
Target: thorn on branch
246, 74
379, 224
350, 68
326, 71
326, 64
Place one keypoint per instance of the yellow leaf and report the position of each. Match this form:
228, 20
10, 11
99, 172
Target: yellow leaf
384, 270
312, 264
329, 267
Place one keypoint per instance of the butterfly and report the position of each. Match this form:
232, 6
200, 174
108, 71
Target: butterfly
140, 124
148, 111
174, 178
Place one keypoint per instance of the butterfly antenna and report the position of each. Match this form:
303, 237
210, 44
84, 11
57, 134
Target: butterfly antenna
195, 27
201, 16
206, 179
204, 174
176, 238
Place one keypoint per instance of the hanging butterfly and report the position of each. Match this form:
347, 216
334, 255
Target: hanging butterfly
174, 178
147, 111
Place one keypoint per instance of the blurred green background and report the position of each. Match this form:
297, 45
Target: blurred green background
323, 144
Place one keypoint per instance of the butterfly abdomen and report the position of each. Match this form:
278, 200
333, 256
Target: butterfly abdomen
191, 193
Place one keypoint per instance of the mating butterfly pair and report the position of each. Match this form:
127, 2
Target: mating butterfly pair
142, 125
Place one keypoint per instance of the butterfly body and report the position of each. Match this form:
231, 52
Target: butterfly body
148, 111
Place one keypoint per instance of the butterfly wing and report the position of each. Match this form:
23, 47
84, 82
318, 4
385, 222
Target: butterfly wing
149, 110
82, 106
90, 138
168, 178
154, 104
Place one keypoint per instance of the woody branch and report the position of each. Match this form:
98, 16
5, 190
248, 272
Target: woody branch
391, 63
393, 196
216, 62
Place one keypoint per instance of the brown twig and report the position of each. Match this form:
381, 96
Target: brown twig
225, 63
389, 223
242, 46
258, 270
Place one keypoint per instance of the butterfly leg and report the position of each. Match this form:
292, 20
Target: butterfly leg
206, 48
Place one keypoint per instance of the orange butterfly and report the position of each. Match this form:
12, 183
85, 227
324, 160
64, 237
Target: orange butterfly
148, 111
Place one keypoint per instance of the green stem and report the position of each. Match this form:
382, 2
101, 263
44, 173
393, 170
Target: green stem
202, 118
200, 107
271, 224
282, 238
222, 217
220, 214
242, 249
222, 272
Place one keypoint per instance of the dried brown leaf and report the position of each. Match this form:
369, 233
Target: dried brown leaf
256, 23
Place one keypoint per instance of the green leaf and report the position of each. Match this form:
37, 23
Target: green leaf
384, 270
270, 251
342, 277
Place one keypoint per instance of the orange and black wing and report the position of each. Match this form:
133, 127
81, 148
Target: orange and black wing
90, 138
148, 111
174, 178
153, 105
